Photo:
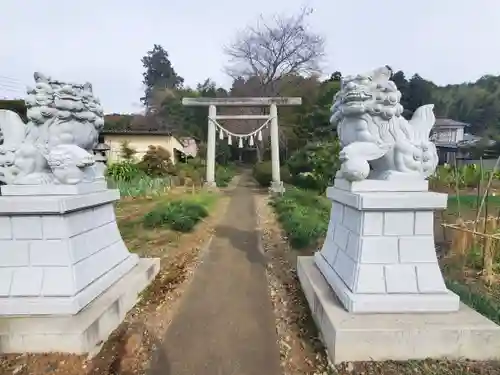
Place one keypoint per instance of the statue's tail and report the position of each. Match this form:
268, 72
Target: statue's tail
422, 121
12, 131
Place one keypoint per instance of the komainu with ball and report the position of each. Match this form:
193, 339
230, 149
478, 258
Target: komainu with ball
377, 141
55, 146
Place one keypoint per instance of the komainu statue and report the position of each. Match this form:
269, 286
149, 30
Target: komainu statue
55, 146
377, 141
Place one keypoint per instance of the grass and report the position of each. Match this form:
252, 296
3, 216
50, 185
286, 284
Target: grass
470, 202
303, 215
131, 214
142, 187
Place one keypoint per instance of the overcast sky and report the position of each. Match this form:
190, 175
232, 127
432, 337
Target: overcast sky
103, 41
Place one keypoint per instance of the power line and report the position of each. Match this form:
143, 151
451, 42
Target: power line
19, 88
10, 89
14, 80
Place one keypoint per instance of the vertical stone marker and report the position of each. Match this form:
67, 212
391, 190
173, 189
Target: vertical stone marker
375, 289
66, 277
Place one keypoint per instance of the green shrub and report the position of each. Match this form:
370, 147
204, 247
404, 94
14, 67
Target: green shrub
481, 303
315, 165
286, 177
263, 173
179, 215
154, 218
124, 171
223, 175
303, 216
156, 162
183, 224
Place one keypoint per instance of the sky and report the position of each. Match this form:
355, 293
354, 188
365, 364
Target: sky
103, 41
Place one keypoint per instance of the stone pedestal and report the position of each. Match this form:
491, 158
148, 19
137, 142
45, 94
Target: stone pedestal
398, 337
60, 249
379, 254
375, 289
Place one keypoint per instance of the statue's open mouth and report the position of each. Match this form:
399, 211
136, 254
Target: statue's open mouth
356, 96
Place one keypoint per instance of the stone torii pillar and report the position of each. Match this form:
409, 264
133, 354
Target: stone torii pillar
272, 117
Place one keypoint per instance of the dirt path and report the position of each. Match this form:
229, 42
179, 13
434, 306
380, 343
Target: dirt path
225, 324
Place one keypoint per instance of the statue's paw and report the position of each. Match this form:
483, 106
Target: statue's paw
355, 169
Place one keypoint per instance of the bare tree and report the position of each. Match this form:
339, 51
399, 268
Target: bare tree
264, 55
276, 48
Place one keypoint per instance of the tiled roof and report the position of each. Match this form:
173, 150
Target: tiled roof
137, 131
441, 121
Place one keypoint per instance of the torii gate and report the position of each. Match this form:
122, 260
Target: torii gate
272, 118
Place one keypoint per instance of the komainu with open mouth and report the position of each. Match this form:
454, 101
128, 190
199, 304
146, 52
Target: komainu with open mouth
377, 141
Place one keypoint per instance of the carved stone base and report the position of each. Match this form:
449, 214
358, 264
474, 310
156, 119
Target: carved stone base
84, 332
379, 254
400, 337
59, 252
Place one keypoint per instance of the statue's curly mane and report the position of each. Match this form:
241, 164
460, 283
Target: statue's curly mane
373, 94
65, 101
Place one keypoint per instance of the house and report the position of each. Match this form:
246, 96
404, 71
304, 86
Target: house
190, 147
447, 135
140, 140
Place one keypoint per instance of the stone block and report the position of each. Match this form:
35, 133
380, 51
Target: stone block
400, 223
14, 253
371, 279
346, 268
401, 337
401, 278
54, 227
27, 227
417, 249
57, 281
337, 213
378, 249
424, 223
373, 223
429, 278
340, 236
5, 228
5, 281
92, 268
87, 243
26, 282
352, 219
352, 248
49, 253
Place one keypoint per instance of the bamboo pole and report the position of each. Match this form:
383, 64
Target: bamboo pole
487, 189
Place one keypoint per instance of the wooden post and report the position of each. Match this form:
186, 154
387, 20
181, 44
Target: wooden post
210, 179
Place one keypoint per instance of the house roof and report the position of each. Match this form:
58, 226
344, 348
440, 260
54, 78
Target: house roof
136, 132
445, 122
